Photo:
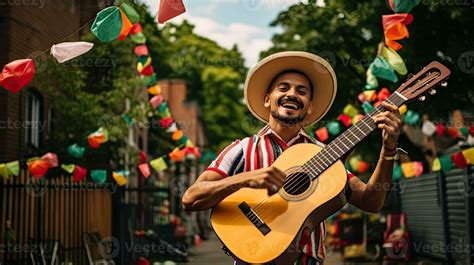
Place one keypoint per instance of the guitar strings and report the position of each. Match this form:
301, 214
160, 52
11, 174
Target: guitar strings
296, 182
291, 186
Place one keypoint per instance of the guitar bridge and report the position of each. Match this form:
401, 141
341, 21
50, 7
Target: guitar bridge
254, 218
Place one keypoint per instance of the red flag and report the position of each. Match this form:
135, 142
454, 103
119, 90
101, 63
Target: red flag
170, 9
17, 74
148, 71
38, 168
79, 174
141, 50
145, 169
136, 28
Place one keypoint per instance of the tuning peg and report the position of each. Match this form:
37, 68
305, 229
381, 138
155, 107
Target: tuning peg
432, 91
444, 84
422, 98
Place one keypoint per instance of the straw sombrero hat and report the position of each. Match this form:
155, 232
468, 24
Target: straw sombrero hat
318, 70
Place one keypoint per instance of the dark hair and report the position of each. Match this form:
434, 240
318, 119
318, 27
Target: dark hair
295, 72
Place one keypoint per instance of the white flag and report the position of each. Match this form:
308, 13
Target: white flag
69, 50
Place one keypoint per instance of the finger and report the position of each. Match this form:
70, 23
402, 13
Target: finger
396, 118
390, 107
383, 119
278, 174
390, 129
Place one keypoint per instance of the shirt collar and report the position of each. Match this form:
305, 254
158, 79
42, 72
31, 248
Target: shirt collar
268, 131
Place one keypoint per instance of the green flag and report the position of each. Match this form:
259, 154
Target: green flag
107, 24
99, 176
131, 13
381, 68
13, 168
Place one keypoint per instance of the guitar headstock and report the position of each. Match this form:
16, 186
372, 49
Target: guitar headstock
431, 76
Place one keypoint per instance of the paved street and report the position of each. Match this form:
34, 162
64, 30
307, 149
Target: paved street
210, 253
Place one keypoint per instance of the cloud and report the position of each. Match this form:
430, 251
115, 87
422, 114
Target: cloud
250, 39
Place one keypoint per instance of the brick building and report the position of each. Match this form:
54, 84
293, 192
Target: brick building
53, 215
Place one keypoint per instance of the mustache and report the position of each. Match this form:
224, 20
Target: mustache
288, 99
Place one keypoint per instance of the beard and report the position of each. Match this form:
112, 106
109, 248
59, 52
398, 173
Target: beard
287, 119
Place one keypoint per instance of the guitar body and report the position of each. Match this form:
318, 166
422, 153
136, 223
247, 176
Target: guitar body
289, 215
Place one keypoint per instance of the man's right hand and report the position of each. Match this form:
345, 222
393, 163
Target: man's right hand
270, 178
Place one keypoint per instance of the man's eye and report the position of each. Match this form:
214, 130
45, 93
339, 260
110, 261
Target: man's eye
283, 88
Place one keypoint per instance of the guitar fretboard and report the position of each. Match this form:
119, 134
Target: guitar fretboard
348, 139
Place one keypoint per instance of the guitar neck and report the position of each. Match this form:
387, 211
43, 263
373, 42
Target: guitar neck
349, 138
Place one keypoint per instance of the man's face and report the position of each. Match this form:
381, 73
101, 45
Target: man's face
289, 98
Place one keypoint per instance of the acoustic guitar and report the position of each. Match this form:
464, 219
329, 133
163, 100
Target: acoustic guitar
256, 228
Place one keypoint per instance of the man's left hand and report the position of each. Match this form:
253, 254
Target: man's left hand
390, 121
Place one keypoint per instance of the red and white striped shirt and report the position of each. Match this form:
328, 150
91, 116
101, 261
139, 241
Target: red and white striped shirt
260, 151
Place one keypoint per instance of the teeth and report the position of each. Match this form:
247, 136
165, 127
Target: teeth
291, 106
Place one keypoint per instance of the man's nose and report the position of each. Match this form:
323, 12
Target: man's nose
291, 92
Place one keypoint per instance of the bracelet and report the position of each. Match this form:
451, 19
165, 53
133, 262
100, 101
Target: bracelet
389, 150
389, 158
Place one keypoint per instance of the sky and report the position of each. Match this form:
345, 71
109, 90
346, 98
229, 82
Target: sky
228, 22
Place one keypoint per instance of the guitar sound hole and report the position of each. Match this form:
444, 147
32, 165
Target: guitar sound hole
297, 183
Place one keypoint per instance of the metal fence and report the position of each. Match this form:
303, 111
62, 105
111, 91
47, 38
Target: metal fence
51, 216
439, 209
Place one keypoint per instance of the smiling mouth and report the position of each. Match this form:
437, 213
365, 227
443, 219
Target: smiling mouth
291, 105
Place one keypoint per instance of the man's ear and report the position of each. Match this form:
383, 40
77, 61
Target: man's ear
266, 101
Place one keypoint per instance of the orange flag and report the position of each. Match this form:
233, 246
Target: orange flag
126, 26
394, 27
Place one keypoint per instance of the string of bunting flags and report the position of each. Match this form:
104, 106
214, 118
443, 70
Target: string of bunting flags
114, 22
445, 163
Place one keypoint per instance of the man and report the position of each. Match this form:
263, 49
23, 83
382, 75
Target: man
289, 91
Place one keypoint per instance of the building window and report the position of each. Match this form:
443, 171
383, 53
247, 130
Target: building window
34, 119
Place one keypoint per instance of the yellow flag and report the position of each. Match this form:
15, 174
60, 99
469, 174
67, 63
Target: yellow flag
408, 169
403, 109
469, 155
350, 110
3, 172
158, 164
436, 166
154, 90
120, 179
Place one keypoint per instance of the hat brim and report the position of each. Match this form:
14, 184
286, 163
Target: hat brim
318, 70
